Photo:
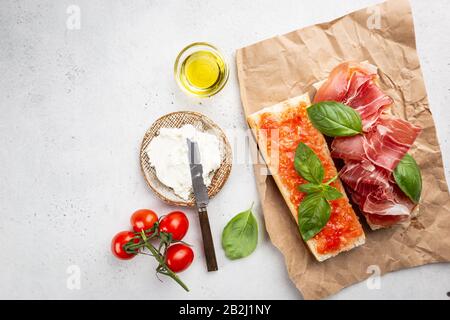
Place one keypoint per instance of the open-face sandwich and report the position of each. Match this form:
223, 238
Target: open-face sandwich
279, 131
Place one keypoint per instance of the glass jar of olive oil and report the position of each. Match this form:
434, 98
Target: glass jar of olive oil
201, 70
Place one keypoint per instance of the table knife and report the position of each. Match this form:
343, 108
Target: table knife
201, 201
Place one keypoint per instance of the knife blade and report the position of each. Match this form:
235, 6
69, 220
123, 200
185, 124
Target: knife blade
196, 168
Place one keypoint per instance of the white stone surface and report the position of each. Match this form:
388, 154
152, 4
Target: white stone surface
74, 107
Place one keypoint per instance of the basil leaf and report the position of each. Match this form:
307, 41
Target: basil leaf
408, 178
308, 164
313, 214
331, 193
310, 188
240, 235
335, 119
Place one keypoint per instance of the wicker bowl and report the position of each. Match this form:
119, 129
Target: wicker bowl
177, 120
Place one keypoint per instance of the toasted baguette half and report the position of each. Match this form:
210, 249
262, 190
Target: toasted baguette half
279, 111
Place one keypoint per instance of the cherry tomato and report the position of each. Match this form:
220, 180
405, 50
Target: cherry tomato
143, 219
175, 223
179, 257
119, 241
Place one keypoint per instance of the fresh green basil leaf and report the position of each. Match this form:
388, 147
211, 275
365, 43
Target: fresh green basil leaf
335, 119
313, 214
331, 193
240, 235
308, 164
408, 177
310, 188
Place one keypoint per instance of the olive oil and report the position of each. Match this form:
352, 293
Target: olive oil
202, 71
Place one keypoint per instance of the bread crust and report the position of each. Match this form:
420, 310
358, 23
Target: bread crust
253, 121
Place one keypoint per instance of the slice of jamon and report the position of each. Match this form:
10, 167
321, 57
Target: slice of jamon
377, 221
348, 148
364, 178
385, 208
338, 84
354, 85
389, 141
384, 145
377, 196
370, 102
359, 77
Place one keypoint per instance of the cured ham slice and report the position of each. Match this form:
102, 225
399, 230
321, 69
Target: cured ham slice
375, 193
384, 145
346, 76
377, 221
390, 201
348, 148
363, 177
370, 102
371, 157
390, 140
354, 85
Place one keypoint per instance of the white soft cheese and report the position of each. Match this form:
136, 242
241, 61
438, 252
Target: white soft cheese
168, 154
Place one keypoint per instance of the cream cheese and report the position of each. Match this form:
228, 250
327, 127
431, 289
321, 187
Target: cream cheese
168, 154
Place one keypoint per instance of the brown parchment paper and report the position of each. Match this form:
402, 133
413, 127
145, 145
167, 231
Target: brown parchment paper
286, 66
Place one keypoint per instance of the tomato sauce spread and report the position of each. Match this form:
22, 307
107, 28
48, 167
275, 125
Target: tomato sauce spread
283, 133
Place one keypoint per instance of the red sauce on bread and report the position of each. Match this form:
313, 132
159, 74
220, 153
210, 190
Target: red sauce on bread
287, 132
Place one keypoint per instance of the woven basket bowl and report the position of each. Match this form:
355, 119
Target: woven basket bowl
177, 120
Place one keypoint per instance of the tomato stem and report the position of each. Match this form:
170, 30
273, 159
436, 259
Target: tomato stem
162, 263
332, 180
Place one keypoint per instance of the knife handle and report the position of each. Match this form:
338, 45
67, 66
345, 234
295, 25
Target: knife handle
208, 244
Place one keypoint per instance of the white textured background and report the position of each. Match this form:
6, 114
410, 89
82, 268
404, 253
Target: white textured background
74, 105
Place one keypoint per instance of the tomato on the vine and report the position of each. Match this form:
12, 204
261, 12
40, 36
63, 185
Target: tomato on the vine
118, 242
175, 223
179, 257
143, 219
